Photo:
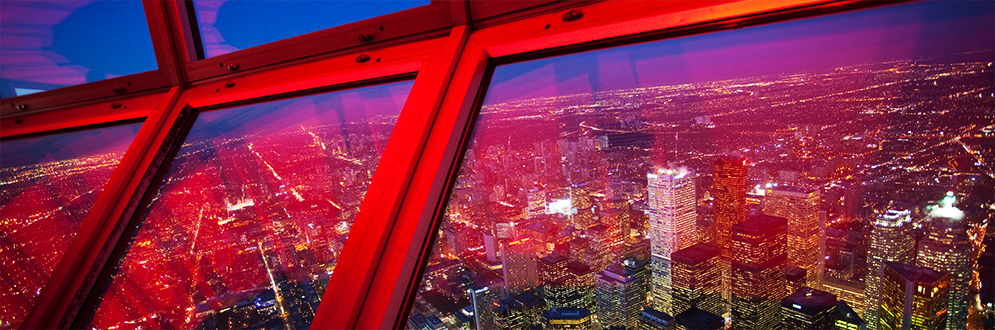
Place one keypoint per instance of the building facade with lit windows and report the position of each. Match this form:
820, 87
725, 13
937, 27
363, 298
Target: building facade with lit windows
891, 241
806, 231
914, 297
672, 216
176, 164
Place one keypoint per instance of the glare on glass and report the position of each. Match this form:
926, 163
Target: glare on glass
49, 44
248, 224
716, 178
230, 25
47, 186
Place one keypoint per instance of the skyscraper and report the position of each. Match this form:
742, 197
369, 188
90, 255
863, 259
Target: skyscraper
619, 298
729, 209
729, 190
672, 215
806, 233
947, 248
519, 265
913, 297
580, 196
809, 309
758, 284
696, 279
891, 240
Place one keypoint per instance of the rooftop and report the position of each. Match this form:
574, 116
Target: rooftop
809, 301
695, 254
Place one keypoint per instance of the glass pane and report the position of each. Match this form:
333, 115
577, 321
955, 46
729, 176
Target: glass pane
248, 224
712, 179
47, 186
229, 25
48, 44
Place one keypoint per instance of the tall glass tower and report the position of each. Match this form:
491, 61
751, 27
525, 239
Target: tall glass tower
947, 248
891, 240
672, 216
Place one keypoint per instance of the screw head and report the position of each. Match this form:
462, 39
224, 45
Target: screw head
229, 84
365, 37
362, 58
116, 105
232, 66
22, 107
572, 15
119, 89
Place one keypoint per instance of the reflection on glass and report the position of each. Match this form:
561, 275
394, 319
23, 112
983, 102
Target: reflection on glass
248, 224
711, 180
49, 44
47, 186
226, 26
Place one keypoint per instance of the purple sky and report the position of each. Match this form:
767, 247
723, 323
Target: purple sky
906, 31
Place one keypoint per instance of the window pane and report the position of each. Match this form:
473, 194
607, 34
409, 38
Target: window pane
49, 44
47, 186
707, 179
248, 224
230, 25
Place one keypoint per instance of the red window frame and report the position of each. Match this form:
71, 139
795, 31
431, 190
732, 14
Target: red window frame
377, 279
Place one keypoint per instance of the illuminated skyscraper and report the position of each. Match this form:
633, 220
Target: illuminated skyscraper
809, 309
729, 209
913, 297
806, 232
509, 314
519, 265
847, 318
580, 196
672, 216
696, 279
947, 248
891, 240
729, 190
758, 285
619, 298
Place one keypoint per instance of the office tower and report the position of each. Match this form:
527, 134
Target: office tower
490, 247
532, 308
853, 201
696, 279
729, 209
599, 247
729, 191
580, 280
891, 240
552, 267
536, 202
580, 197
794, 278
947, 248
640, 270
672, 215
651, 319
847, 318
567, 318
913, 297
481, 298
806, 231
853, 292
505, 230
696, 319
618, 297
758, 285
509, 314
519, 265
809, 309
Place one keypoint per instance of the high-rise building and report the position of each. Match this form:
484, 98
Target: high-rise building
847, 318
758, 285
580, 279
619, 298
947, 248
729, 209
651, 319
481, 298
672, 215
580, 196
891, 240
532, 307
809, 309
852, 292
509, 314
794, 278
806, 230
640, 270
519, 265
696, 279
913, 297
